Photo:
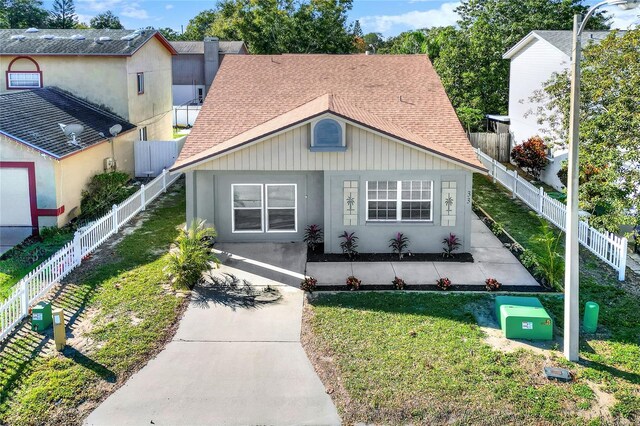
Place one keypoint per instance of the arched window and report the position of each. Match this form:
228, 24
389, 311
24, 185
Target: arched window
328, 136
23, 73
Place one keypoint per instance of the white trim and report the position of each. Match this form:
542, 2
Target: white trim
398, 202
186, 168
295, 208
522, 43
329, 116
234, 208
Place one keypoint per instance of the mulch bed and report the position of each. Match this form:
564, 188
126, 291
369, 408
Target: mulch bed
433, 287
318, 255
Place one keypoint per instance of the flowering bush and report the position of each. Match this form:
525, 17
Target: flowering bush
492, 284
451, 244
399, 244
398, 283
443, 283
353, 283
531, 156
308, 284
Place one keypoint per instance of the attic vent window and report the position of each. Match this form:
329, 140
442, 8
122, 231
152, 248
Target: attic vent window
328, 135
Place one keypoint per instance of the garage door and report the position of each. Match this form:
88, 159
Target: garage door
15, 209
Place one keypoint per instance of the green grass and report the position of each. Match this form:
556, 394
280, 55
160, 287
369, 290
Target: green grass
446, 373
20, 261
130, 315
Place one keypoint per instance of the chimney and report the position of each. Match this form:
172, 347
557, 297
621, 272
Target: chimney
211, 61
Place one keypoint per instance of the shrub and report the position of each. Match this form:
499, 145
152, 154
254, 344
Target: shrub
308, 284
103, 191
443, 283
451, 244
529, 259
353, 283
531, 156
399, 244
191, 255
349, 244
497, 228
312, 236
398, 283
492, 284
551, 265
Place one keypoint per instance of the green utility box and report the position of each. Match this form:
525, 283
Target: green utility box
523, 318
41, 317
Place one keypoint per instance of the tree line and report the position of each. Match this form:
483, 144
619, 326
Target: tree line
31, 13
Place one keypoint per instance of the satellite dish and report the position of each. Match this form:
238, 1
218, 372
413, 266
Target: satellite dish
115, 129
72, 131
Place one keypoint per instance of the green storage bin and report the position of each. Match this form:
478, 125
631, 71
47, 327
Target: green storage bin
41, 317
526, 322
590, 319
515, 301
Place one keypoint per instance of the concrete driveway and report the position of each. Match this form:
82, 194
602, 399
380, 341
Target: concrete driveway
233, 361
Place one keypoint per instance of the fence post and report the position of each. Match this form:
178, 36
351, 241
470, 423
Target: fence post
623, 259
514, 189
540, 200
24, 298
164, 180
114, 218
77, 248
493, 169
143, 200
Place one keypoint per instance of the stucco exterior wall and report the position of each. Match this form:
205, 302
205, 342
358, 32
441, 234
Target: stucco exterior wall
96, 79
45, 175
530, 69
152, 108
74, 172
365, 151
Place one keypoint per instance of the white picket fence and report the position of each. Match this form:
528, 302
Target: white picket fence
39, 281
609, 247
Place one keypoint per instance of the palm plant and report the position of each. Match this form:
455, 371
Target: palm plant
191, 255
551, 265
399, 244
451, 244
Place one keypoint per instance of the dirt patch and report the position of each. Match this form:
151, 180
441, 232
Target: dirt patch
323, 363
601, 407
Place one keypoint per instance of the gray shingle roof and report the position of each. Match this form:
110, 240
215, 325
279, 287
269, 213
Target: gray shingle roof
197, 47
564, 39
63, 42
34, 117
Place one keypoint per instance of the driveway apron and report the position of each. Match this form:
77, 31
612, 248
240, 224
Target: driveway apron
231, 361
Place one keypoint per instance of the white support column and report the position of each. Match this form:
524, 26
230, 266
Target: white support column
143, 198
114, 218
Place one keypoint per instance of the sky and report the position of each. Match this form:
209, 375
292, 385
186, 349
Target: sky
389, 17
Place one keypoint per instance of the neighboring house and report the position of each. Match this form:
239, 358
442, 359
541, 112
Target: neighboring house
42, 170
364, 143
126, 72
196, 64
534, 60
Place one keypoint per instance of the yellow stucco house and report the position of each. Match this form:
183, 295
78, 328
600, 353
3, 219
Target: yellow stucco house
44, 169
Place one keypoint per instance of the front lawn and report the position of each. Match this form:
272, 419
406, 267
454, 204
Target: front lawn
122, 312
421, 358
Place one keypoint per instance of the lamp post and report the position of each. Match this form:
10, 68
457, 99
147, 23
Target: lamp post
571, 301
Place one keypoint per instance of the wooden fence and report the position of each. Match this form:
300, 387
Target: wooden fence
609, 247
39, 281
495, 145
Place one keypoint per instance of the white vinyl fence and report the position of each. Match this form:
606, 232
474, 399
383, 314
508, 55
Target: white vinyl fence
151, 157
39, 281
185, 115
609, 247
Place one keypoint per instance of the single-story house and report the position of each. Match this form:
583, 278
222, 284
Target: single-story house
44, 169
360, 143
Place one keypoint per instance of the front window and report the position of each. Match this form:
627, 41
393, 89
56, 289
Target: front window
409, 200
277, 213
24, 80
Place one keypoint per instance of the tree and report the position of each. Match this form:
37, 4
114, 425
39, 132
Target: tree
609, 122
199, 25
469, 60
63, 15
22, 14
409, 42
373, 39
106, 20
170, 34
531, 156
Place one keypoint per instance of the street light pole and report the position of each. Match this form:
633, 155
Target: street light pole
571, 272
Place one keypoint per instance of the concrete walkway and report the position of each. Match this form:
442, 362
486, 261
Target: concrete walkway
232, 361
491, 260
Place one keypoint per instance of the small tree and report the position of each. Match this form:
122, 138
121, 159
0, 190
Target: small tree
63, 15
192, 256
531, 156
